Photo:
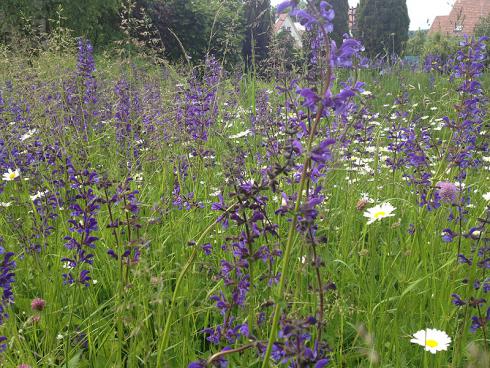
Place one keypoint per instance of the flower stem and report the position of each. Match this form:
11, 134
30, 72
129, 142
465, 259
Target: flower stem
302, 185
289, 244
231, 351
166, 330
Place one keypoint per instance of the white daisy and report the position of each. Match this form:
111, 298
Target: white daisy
11, 175
5, 204
241, 134
138, 177
67, 265
432, 340
28, 135
379, 212
38, 195
486, 196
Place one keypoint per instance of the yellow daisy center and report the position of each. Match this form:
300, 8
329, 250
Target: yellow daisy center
379, 214
12, 175
431, 343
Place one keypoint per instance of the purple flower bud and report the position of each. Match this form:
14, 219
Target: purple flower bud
457, 300
112, 254
199, 364
478, 322
207, 248
322, 363
286, 4
322, 153
311, 98
448, 235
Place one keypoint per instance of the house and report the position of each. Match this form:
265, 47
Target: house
285, 23
462, 19
353, 20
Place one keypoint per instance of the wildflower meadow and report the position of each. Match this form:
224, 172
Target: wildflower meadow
329, 215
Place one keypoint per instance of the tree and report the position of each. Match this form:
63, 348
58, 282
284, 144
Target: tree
415, 44
184, 27
187, 28
434, 46
341, 20
483, 27
383, 25
284, 50
228, 31
96, 20
258, 31
196, 28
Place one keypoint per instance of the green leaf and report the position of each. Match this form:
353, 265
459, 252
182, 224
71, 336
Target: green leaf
74, 362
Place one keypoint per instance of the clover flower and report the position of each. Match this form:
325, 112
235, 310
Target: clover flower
447, 191
38, 304
361, 204
432, 340
379, 212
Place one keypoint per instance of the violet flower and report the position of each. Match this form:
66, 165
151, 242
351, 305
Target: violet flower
7, 277
83, 224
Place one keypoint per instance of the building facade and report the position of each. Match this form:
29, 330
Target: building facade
462, 19
286, 23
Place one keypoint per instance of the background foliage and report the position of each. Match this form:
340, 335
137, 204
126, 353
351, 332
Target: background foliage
96, 20
258, 30
341, 21
423, 45
195, 28
383, 25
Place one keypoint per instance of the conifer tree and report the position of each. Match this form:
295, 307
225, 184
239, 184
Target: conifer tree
258, 30
341, 20
383, 25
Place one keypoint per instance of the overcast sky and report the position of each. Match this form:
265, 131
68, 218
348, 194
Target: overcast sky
421, 12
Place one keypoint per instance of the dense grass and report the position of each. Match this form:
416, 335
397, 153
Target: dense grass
389, 283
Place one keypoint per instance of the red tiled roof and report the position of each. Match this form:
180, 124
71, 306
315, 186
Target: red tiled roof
463, 17
439, 23
280, 21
